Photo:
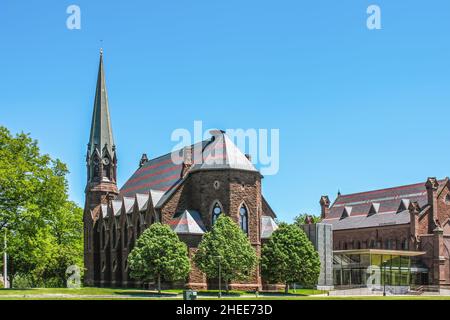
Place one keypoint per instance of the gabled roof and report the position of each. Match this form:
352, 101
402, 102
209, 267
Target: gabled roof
187, 222
268, 226
374, 208
116, 207
391, 206
142, 201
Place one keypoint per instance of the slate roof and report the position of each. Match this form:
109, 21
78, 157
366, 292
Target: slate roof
165, 173
187, 222
376, 208
222, 153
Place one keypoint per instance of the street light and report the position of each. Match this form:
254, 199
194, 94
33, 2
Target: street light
5, 263
220, 280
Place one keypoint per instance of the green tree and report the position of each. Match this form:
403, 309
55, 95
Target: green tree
35, 209
226, 242
158, 254
301, 218
289, 257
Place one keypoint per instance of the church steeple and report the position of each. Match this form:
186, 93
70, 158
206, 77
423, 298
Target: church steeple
101, 154
101, 131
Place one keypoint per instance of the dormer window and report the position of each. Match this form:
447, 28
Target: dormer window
404, 204
374, 208
346, 212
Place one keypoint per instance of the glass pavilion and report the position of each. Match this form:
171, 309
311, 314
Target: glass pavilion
367, 267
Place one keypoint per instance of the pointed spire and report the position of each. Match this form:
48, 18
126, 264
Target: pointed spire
101, 130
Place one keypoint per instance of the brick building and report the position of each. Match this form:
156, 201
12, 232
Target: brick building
186, 189
406, 221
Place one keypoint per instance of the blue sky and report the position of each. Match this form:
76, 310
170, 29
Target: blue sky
357, 109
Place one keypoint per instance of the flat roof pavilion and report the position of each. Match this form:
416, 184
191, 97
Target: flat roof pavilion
403, 253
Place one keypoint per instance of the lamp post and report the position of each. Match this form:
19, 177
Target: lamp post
220, 277
5, 263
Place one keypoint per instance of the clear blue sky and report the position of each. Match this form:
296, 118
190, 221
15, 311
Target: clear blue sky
357, 109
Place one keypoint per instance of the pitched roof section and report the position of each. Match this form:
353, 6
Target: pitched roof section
222, 153
158, 174
187, 222
376, 208
164, 173
268, 226
101, 130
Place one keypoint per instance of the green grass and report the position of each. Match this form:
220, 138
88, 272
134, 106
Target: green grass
86, 291
139, 294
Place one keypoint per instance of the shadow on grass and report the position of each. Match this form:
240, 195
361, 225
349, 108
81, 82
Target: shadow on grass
150, 294
281, 294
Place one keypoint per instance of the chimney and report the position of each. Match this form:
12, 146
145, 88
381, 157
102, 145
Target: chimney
414, 210
325, 206
187, 160
143, 160
249, 157
432, 186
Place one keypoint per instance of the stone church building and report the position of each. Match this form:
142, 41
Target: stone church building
186, 189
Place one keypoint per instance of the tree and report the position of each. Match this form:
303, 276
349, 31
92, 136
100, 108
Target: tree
226, 242
301, 219
289, 257
158, 254
43, 226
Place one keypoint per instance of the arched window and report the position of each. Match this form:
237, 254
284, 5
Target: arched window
243, 218
216, 212
104, 238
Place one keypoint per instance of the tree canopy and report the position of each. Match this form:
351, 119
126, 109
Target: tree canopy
289, 257
226, 242
301, 219
159, 254
44, 228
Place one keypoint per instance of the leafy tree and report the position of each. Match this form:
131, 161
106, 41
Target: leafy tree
226, 242
301, 218
44, 228
159, 253
289, 257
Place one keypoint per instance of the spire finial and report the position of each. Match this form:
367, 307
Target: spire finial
101, 51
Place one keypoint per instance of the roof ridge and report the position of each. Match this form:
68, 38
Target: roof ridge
383, 189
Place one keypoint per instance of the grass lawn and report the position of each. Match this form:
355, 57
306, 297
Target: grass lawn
90, 293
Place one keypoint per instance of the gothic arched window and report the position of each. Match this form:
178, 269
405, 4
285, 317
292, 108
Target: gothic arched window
216, 212
243, 218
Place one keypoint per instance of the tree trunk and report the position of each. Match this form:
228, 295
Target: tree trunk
227, 289
159, 283
286, 288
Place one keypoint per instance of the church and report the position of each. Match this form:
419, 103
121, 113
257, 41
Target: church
186, 189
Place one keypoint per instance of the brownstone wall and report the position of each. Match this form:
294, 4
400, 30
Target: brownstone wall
235, 188
398, 234
198, 192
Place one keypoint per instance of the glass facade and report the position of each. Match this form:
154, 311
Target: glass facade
361, 268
